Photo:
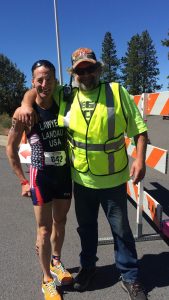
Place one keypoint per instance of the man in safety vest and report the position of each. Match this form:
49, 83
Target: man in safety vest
97, 116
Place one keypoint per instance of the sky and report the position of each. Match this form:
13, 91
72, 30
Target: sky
28, 31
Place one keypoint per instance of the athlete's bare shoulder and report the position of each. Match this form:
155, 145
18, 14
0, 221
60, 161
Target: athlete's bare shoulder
16, 114
29, 97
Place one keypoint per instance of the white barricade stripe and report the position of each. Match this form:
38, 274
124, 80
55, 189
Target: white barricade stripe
161, 166
152, 209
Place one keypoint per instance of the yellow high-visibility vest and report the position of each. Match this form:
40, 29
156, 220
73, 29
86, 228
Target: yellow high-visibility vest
99, 145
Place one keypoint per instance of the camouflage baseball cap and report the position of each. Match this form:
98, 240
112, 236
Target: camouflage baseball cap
83, 55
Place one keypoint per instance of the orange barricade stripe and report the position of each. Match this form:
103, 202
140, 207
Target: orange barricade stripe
24, 138
127, 141
154, 157
151, 101
137, 99
136, 190
134, 153
165, 110
135, 187
25, 153
128, 190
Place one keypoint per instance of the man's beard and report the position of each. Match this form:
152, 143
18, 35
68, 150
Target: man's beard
89, 84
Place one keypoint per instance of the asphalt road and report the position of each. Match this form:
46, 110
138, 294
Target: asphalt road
20, 272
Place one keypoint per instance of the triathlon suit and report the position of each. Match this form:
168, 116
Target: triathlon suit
49, 170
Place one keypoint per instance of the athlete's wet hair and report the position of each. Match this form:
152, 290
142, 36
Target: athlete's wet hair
44, 63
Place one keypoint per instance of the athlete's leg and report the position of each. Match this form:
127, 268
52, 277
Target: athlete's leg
60, 208
37, 242
43, 215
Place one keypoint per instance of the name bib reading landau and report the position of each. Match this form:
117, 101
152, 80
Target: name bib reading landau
57, 158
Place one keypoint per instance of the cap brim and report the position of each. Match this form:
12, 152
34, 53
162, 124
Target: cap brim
92, 61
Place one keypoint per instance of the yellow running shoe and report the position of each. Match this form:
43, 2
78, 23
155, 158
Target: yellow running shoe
63, 276
50, 291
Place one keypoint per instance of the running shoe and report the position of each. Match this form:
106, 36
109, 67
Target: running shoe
134, 290
50, 291
63, 276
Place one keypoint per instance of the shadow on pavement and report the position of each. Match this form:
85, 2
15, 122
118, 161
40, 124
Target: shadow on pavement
155, 270
105, 277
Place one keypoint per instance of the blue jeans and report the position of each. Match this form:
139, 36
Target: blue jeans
114, 204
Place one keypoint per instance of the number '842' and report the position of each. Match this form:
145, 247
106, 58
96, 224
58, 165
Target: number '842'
57, 159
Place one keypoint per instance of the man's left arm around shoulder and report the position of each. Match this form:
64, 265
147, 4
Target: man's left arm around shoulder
138, 167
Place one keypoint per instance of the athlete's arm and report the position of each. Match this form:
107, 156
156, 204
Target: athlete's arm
14, 138
138, 167
26, 113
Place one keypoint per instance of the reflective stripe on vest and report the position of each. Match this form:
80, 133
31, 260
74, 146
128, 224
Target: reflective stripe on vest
113, 146
111, 123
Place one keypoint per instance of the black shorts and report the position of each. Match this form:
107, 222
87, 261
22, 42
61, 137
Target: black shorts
50, 183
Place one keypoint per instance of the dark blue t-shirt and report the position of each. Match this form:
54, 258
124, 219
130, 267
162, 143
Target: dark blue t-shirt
47, 139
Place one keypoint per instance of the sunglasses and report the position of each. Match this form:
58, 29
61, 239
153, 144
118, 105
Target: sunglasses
44, 63
83, 71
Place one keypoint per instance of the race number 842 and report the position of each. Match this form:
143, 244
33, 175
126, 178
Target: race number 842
57, 158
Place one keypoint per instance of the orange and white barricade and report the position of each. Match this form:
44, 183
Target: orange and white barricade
156, 158
150, 206
157, 104
154, 103
24, 150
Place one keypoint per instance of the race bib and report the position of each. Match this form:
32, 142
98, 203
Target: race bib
57, 158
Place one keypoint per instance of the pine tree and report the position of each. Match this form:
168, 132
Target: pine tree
131, 76
12, 85
109, 59
140, 71
150, 71
166, 43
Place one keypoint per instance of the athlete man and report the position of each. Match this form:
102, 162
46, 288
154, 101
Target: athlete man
50, 182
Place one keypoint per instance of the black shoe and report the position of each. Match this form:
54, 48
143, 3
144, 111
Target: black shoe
83, 278
134, 290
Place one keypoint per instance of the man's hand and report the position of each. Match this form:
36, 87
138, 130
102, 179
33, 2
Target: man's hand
26, 190
27, 115
137, 171
138, 167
